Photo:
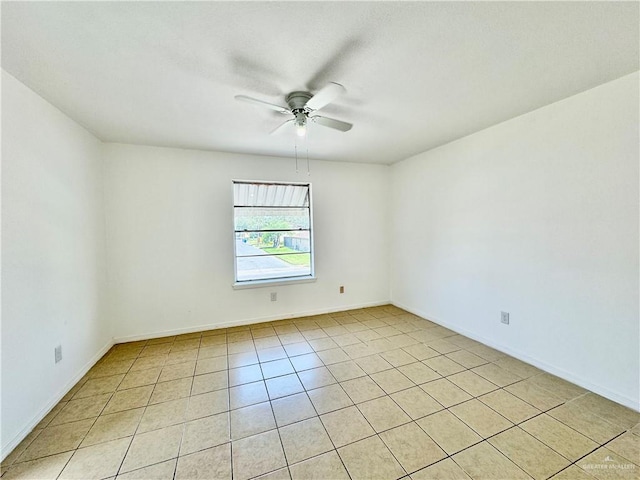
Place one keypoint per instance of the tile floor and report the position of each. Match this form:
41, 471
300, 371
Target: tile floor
374, 393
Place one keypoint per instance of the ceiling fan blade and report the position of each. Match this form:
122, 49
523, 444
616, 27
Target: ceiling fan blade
281, 126
277, 108
332, 123
326, 95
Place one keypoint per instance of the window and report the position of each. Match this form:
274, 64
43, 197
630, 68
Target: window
272, 231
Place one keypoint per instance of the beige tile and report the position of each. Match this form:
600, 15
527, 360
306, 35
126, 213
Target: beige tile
419, 373
171, 390
518, 367
445, 392
480, 418
392, 381
129, 399
416, 403
57, 439
483, 462
443, 365
413, 448
535, 458
179, 370
346, 426
276, 368
145, 363
362, 389
316, 378
445, 469
205, 433
329, 398
209, 382
538, 397
421, 351
207, 404
487, 353
321, 344
298, 348
108, 368
509, 406
626, 445
472, 383
97, 461
47, 468
248, 394
605, 464
334, 355
466, 358
153, 447
251, 420
496, 374
139, 378
448, 431
292, 409
306, 362
346, 339
89, 407
48, 418
19, 450
563, 439
580, 419
370, 458
383, 413
327, 466
240, 346
443, 346
283, 386
242, 375
267, 342
157, 349
97, 386
572, 473
398, 357
163, 414
211, 351
182, 345
346, 371
373, 364
243, 359
213, 463
111, 427
304, 440
159, 340
212, 364
256, 455
610, 411
561, 388
182, 357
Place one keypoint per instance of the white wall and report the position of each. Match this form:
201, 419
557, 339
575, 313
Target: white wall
53, 275
537, 216
170, 241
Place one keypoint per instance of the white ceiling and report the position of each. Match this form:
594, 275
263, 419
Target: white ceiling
417, 74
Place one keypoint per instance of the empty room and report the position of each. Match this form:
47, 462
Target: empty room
320, 240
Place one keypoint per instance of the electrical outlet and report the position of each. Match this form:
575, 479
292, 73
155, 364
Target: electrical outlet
274, 296
341, 288
58, 353
504, 318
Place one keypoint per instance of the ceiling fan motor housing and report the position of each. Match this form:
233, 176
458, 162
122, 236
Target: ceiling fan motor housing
298, 100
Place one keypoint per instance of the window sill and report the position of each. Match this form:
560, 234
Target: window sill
272, 283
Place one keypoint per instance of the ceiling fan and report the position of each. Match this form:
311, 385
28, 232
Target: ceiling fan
303, 105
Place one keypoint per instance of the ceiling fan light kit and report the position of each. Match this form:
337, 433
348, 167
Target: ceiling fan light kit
303, 105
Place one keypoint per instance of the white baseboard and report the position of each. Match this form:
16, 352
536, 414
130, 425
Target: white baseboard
13, 443
248, 321
542, 365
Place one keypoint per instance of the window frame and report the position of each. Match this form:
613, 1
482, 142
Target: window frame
266, 282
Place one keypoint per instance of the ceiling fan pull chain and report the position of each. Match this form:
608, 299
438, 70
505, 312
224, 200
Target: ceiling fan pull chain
295, 146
